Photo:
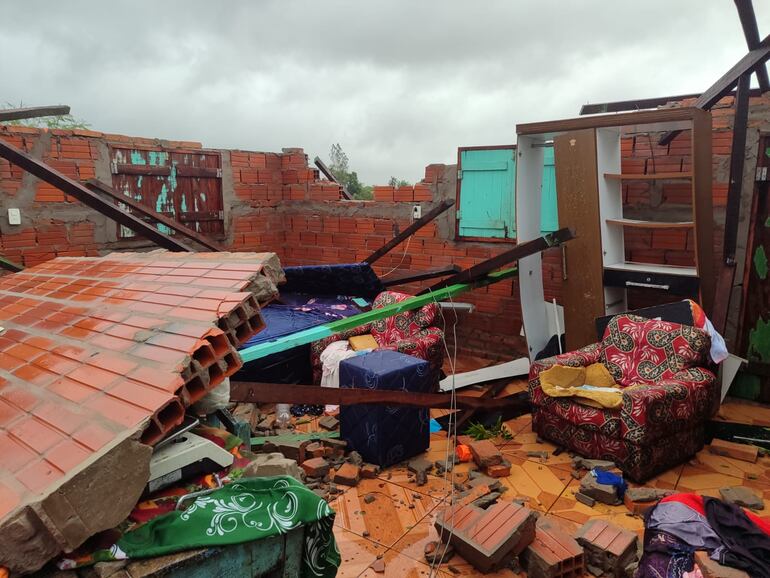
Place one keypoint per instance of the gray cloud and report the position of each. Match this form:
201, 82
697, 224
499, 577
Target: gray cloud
399, 84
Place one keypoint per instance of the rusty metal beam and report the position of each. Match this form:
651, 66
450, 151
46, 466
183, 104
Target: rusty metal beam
53, 177
33, 112
410, 230
749, 63
751, 32
644, 103
330, 175
100, 187
414, 277
257, 392
519, 252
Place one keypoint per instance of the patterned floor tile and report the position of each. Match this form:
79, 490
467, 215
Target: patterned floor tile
706, 462
394, 511
538, 484
741, 411
436, 487
399, 566
526, 441
357, 553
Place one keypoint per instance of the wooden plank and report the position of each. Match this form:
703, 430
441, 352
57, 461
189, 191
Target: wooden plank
100, 187
33, 112
750, 62
751, 32
315, 333
414, 277
53, 177
198, 172
652, 224
578, 186
741, 452
642, 103
647, 177
642, 117
523, 250
502, 370
144, 170
256, 392
410, 230
726, 274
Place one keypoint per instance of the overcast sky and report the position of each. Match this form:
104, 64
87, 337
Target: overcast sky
398, 83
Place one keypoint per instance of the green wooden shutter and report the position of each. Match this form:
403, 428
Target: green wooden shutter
487, 207
549, 215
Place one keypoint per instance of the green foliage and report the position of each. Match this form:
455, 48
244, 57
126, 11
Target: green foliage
63, 121
394, 182
480, 432
339, 167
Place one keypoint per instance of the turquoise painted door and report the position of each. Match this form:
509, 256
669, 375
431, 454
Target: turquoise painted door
487, 189
487, 207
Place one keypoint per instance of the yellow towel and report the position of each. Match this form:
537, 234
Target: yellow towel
359, 342
565, 381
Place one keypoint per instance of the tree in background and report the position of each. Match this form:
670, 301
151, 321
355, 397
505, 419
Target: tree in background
63, 121
394, 182
339, 166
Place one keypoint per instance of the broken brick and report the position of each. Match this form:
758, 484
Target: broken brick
370, 471
294, 449
316, 467
421, 468
640, 500
315, 449
488, 539
553, 553
607, 546
499, 471
485, 453
347, 474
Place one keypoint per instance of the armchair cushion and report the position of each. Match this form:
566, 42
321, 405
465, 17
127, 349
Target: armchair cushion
651, 412
645, 351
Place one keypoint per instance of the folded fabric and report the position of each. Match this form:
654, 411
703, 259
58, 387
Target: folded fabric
247, 510
685, 523
593, 385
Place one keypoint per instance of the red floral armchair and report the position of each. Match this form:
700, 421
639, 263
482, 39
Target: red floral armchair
409, 332
669, 392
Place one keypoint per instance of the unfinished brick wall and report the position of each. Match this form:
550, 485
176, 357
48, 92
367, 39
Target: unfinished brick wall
275, 202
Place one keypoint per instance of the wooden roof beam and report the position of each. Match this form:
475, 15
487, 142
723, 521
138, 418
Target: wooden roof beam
33, 112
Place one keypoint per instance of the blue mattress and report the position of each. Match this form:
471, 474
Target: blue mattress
356, 279
385, 435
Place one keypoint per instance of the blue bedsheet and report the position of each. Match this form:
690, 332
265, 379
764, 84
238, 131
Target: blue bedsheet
355, 279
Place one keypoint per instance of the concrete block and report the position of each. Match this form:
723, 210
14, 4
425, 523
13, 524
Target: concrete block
607, 547
640, 500
581, 463
553, 553
420, 467
741, 496
488, 539
603, 493
741, 452
273, 464
294, 449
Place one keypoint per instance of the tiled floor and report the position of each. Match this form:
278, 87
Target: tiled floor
398, 523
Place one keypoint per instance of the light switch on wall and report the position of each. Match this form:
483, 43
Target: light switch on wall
14, 217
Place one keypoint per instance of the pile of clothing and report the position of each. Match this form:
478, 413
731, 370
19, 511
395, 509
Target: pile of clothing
681, 524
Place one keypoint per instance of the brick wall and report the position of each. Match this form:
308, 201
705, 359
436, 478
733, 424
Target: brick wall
275, 202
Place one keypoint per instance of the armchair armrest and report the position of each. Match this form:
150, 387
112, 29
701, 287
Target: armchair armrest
681, 402
426, 344
579, 358
317, 347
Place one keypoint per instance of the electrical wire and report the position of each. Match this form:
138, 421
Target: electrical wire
406, 249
